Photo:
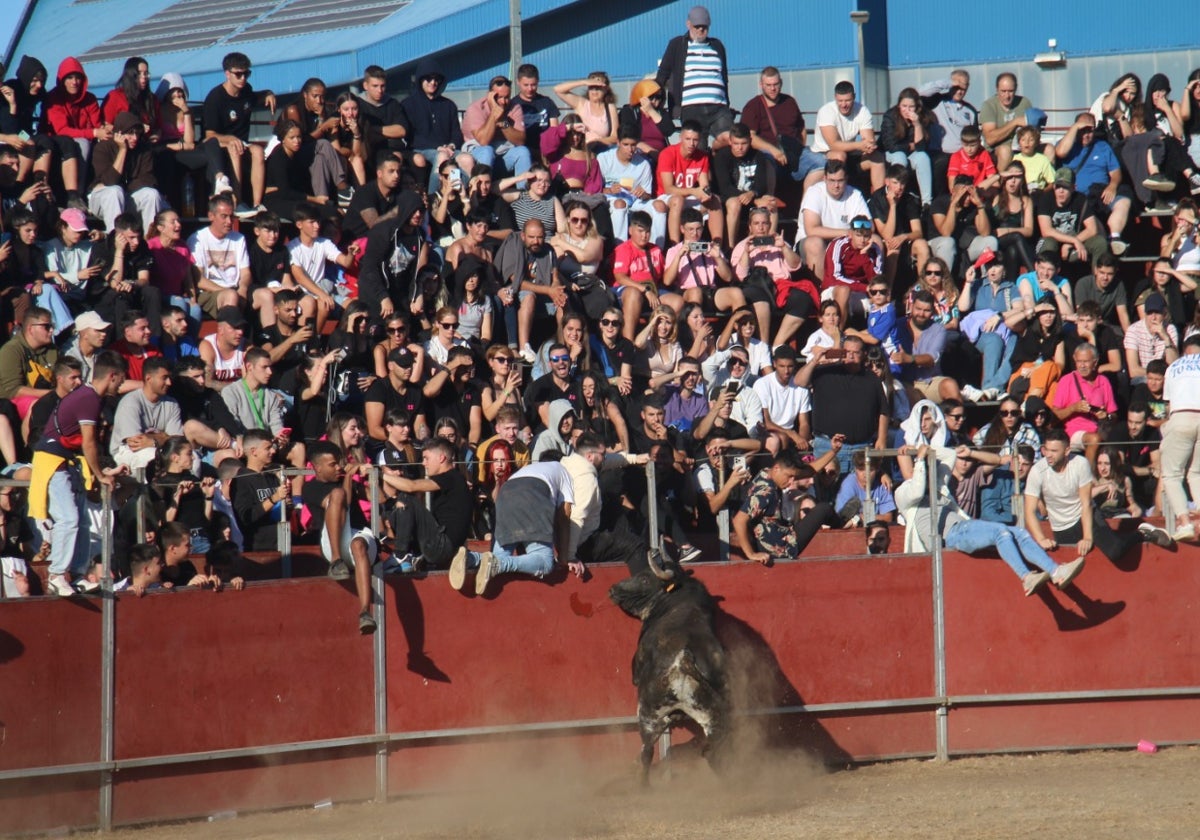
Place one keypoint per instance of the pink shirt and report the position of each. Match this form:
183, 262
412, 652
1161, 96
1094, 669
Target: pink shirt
1071, 389
477, 114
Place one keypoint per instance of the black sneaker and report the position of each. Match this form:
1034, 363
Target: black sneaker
339, 570
366, 624
1154, 535
344, 197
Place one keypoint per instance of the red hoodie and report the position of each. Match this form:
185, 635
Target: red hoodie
77, 116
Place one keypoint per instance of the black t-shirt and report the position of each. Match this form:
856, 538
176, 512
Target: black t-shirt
1069, 219
366, 198
622, 352
544, 390
376, 117
907, 209
1106, 340
538, 112
267, 266
738, 175
1156, 404
289, 175
451, 505
250, 489
314, 494
191, 506
450, 402
227, 114
500, 212
847, 403
964, 223
283, 372
412, 400
40, 413
399, 459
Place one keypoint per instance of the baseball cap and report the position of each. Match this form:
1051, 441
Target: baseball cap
1155, 303
90, 321
988, 256
74, 219
401, 358
698, 16
1064, 177
1035, 117
232, 316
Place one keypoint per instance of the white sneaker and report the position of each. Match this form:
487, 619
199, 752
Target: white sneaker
488, 566
1187, 532
458, 569
990, 394
528, 355
221, 185
1067, 572
1032, 581
60, 586
972, 393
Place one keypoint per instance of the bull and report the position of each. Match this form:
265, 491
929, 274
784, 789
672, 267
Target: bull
680, 665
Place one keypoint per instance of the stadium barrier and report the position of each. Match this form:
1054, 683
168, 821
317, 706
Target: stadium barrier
201, 703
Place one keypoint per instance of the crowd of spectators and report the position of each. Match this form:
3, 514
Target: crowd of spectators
460, 300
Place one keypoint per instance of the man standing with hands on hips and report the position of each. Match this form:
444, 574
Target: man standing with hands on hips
1181, 438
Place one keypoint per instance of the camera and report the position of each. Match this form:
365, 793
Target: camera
762, 240
698, 247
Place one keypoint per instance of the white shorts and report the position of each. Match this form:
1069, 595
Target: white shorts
348, 536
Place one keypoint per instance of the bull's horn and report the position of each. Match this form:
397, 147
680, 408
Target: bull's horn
656, 567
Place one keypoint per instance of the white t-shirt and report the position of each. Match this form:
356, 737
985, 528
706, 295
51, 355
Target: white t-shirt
555, 476
636, 173
220, 260
1060, 490
1181, 387
833, 212
313, 258
782, 403
848, 128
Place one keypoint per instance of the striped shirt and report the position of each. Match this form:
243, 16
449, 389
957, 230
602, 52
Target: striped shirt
527, 207
703, 83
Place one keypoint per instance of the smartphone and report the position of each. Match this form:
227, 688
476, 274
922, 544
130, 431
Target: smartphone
698, 247
834, 353
763, 240
4, 237
286, 431
39, 177
456, 178
739, 462
732, 386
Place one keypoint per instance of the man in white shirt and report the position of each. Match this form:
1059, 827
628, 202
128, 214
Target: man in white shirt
785, 405
1062, 481
845, 132
220, 254
309, 253
1181, 390
825, 215
629, 185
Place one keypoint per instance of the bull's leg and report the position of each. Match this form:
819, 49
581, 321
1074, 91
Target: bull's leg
716, 742
652, 728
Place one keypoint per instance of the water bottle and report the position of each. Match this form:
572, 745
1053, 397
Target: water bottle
189, 198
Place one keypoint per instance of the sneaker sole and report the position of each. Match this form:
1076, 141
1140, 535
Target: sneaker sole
458, 570
484, 576
1159, 186
1074, 573
343, 574
1038, 580
367, 625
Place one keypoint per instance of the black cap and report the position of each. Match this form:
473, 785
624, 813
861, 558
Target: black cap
232, 315
401, 358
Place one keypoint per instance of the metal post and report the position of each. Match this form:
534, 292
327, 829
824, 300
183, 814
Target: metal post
139, 513
514, 37
653, 538
1018, 498
868, 505
107, 643
860, 19
722, 515
283, 534
380, 648
942, 730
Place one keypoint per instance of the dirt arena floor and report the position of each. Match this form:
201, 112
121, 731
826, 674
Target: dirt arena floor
1095, 795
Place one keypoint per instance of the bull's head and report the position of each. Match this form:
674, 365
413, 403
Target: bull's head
637, 594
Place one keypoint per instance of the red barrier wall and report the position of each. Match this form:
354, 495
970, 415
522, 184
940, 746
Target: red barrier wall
283, 662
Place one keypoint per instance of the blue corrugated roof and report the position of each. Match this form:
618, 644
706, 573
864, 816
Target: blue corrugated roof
420, 28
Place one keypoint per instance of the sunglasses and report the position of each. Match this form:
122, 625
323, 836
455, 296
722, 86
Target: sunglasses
583, 220
392, 330
503, 360
874, 292
933, 274
736, 362
860, 227
561, 358
609, 322
448, 325
955, 416
1011, 412
240, 74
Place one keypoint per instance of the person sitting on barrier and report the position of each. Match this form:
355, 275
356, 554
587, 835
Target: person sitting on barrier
346, 540
762, 520
441, 528
259, 497
1063, 482
959, 532
533, 528
999, 500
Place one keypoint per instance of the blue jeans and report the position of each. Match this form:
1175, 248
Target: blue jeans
821, 445
921, 167
516, 160
69, 536
538, 559
808, 161
1016, 545
997, 359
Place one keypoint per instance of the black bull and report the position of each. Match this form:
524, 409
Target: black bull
680, 665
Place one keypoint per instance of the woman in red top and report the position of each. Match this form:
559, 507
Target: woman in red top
132, 93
